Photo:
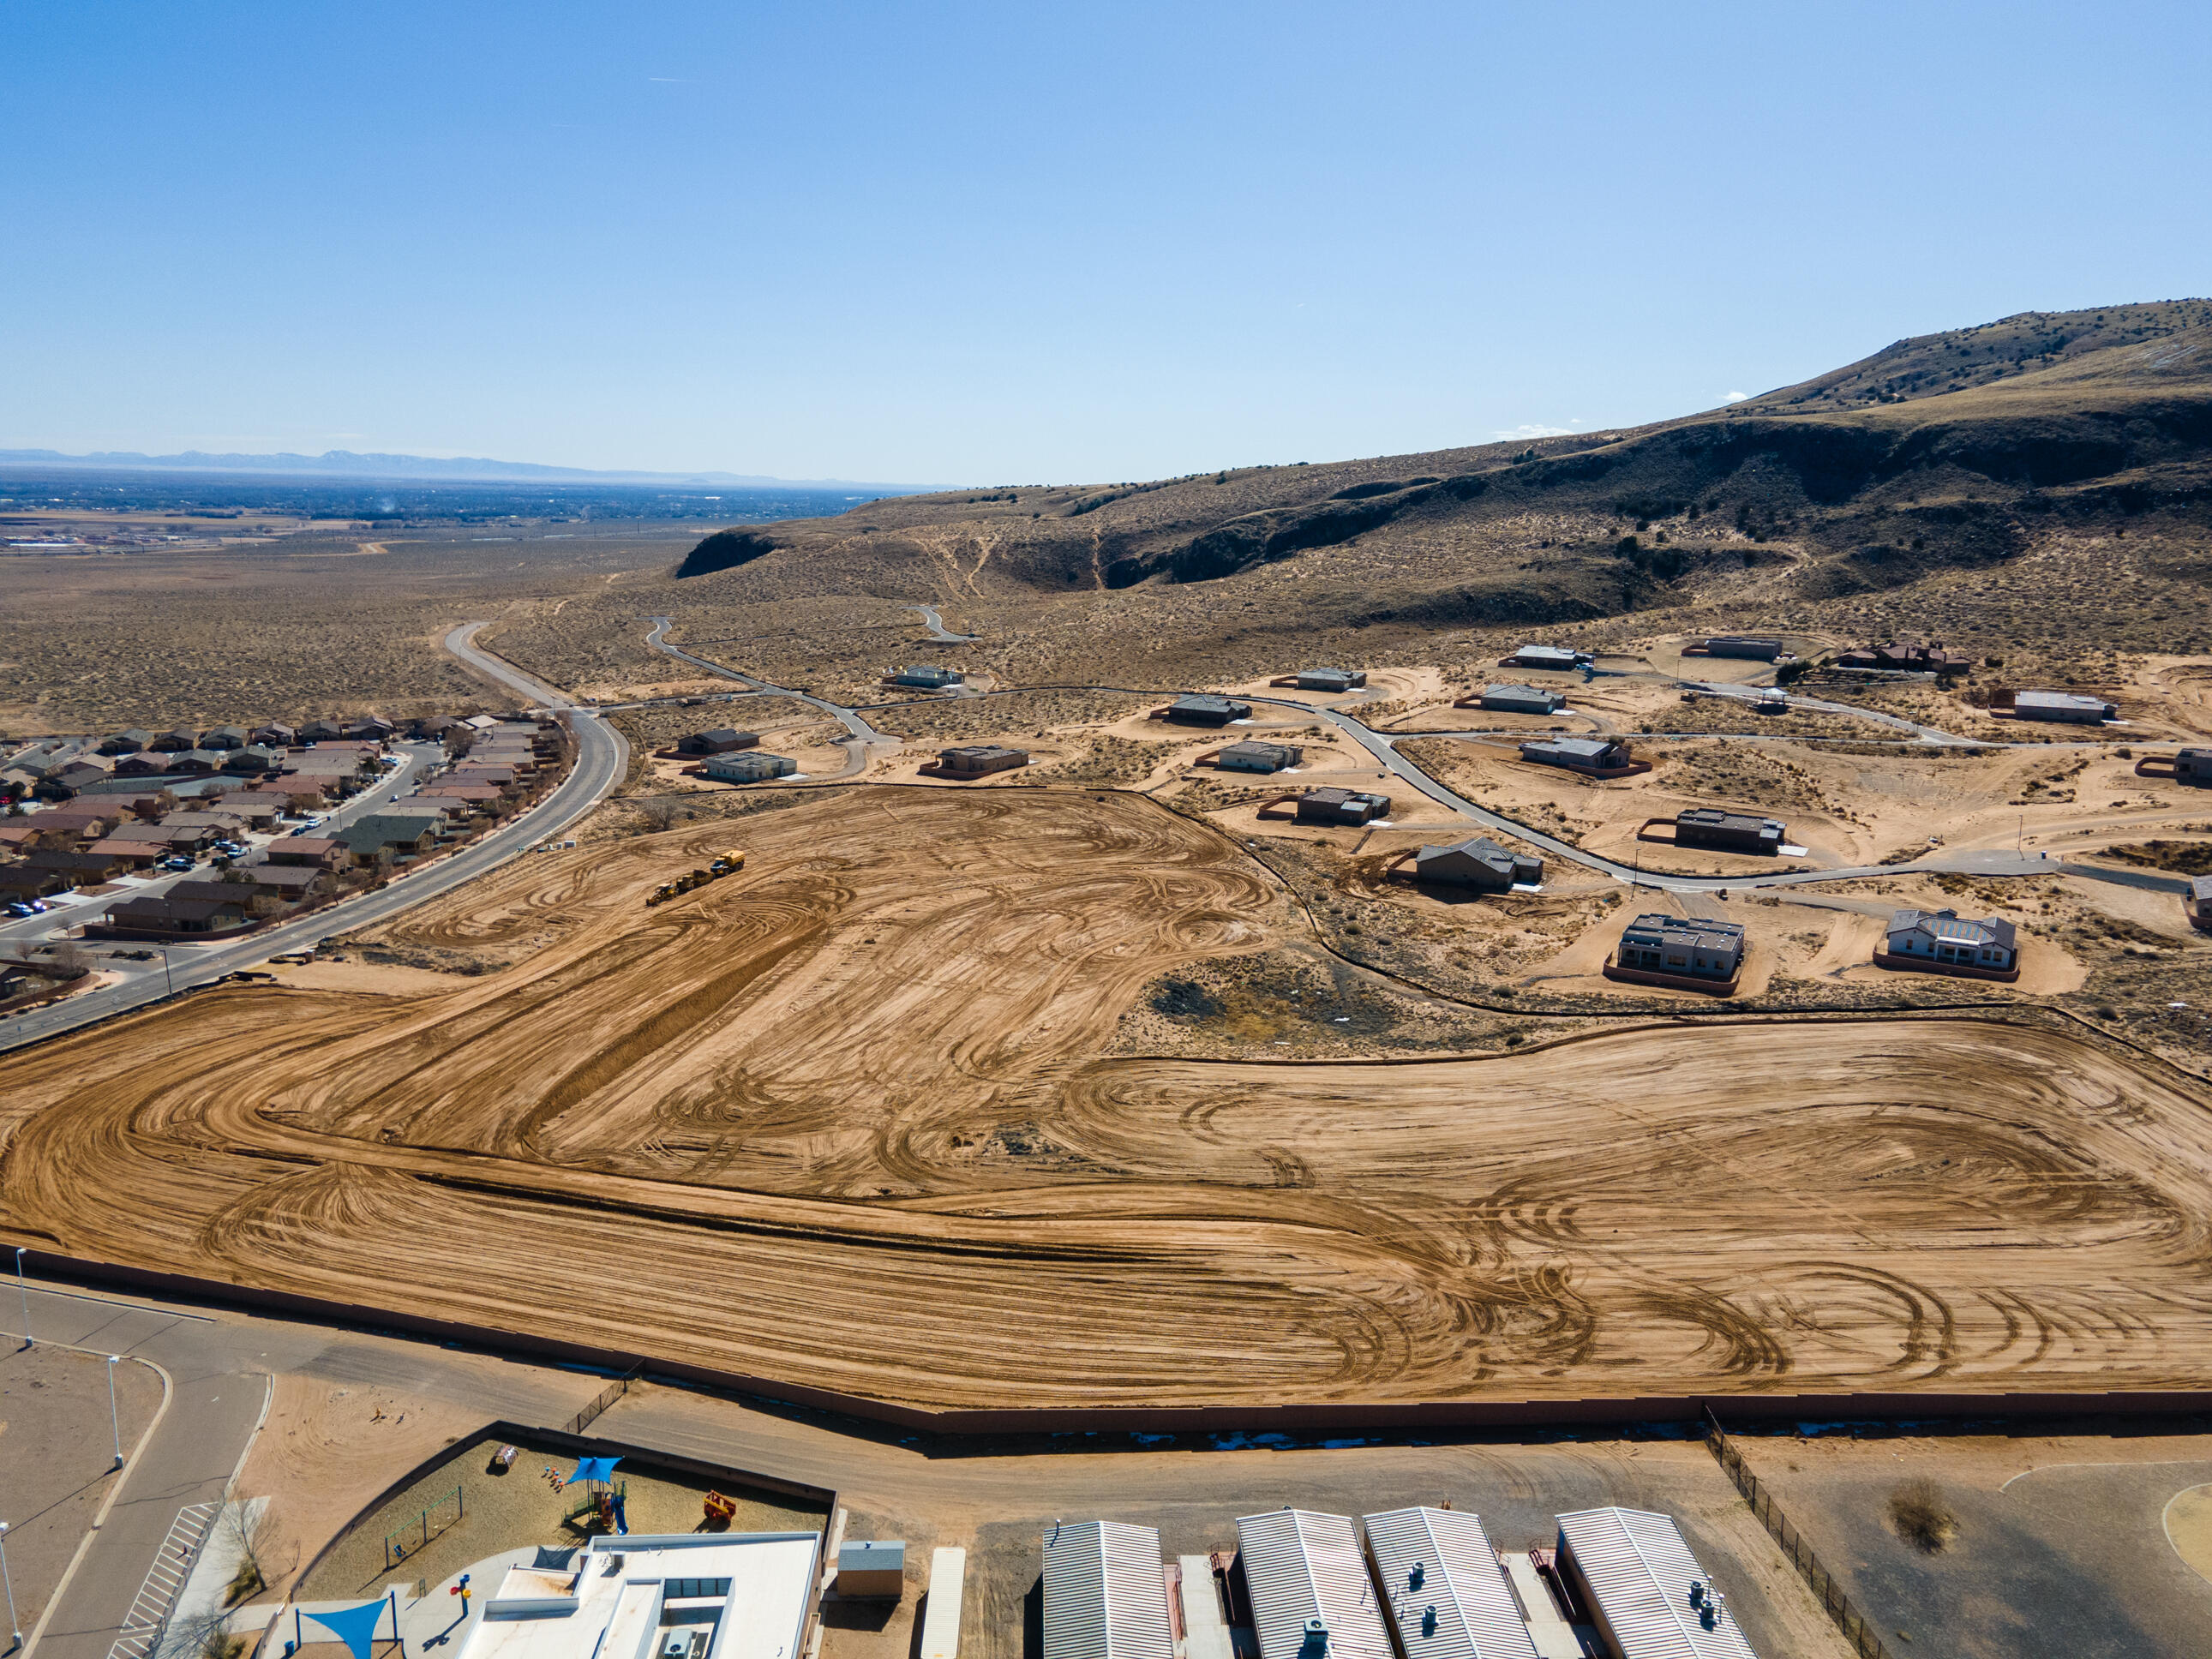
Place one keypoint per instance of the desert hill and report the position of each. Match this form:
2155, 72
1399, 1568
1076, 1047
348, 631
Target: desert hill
2047, 478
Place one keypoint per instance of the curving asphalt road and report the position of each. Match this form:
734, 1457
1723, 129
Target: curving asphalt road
602, 759
937, 629
861, 734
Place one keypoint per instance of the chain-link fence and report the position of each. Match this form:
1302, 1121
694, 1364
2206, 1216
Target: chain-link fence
1853, 1624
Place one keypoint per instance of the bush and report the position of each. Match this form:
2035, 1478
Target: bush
1921, 1517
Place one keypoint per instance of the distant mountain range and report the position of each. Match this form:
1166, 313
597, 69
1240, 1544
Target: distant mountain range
345, 463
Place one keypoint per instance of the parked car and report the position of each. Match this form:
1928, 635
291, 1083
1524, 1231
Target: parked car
179, 862
22, 907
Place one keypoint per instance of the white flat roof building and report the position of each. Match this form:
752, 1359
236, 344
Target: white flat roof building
1311, 1594
1650, 1598
680, 1596
1447, 1594
1105, 1593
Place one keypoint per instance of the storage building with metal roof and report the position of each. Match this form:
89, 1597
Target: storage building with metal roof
1105, 1593
1447, 1597
1650, 1598
1311, 1597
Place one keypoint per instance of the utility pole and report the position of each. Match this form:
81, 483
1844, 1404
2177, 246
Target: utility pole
114, 1418
13, 1623
26, 1290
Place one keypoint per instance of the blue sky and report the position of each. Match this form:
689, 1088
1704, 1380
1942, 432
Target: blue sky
982, 244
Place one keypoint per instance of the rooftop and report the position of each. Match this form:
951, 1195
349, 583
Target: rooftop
1642, 1574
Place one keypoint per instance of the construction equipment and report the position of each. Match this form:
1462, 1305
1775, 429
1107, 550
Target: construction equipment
727, 864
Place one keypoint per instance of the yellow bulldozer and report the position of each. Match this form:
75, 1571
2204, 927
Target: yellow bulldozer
727, 864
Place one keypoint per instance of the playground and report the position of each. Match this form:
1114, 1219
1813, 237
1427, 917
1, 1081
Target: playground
476, 1502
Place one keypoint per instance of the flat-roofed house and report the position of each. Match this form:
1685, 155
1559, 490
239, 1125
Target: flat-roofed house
1311, 1598
1990, 945
2198, 904
643, 1595
925, 678
1905, 659
1649, 1595
1756, 647
1578, 754
1546, 656
1105, 1593
2066, 706
722, 740
1204, 708
1521, 700
1442, 1586
1728, 832
1331, 679
1335, 806
1253, 756
978, 760
1479, 863
1655, 943
2193, 767
751, 766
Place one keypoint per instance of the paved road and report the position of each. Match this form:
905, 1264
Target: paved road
602, 758
862, 738
937, 629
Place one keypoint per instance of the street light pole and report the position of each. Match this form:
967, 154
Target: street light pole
26, 1290
165, 978
114, 1418
13, 1623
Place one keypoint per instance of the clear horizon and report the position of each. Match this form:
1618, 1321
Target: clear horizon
989, 245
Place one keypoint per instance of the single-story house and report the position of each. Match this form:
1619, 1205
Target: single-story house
1649, 1595
320, 732
2066, 706
927, 678
77, 775
137, 855
1756, 647
80, 869
21, 881
1906, 659
1334, 805
408, 832
275, 735
313, 852
126, 743
195, 762
1522, 699
2198, 904
1251, 755
176, 741
1669, 944
1578, 754
375, 728
2193, 767
163, 917
977, 760
144, 763
1728, 832
433, 726
291, 882
1207, 709
751, 766
1546, 656
1331, 679
258, 900
253, 757
722, 740
223, 737
1991, 944
1478, 862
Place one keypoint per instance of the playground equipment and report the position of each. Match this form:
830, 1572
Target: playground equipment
721, 1509
728, 864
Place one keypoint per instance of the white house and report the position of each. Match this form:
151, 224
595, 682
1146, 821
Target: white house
1947, 936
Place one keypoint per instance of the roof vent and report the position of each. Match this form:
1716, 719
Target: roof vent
1316, 1638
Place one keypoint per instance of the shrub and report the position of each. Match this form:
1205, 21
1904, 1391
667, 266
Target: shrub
1921, 1518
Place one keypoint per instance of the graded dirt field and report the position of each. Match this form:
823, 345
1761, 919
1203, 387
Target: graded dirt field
842, 1120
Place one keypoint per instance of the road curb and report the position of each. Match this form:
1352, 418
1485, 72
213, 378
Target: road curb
122, 1480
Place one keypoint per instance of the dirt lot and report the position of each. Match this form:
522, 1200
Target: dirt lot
858, 1087
2059, 1545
